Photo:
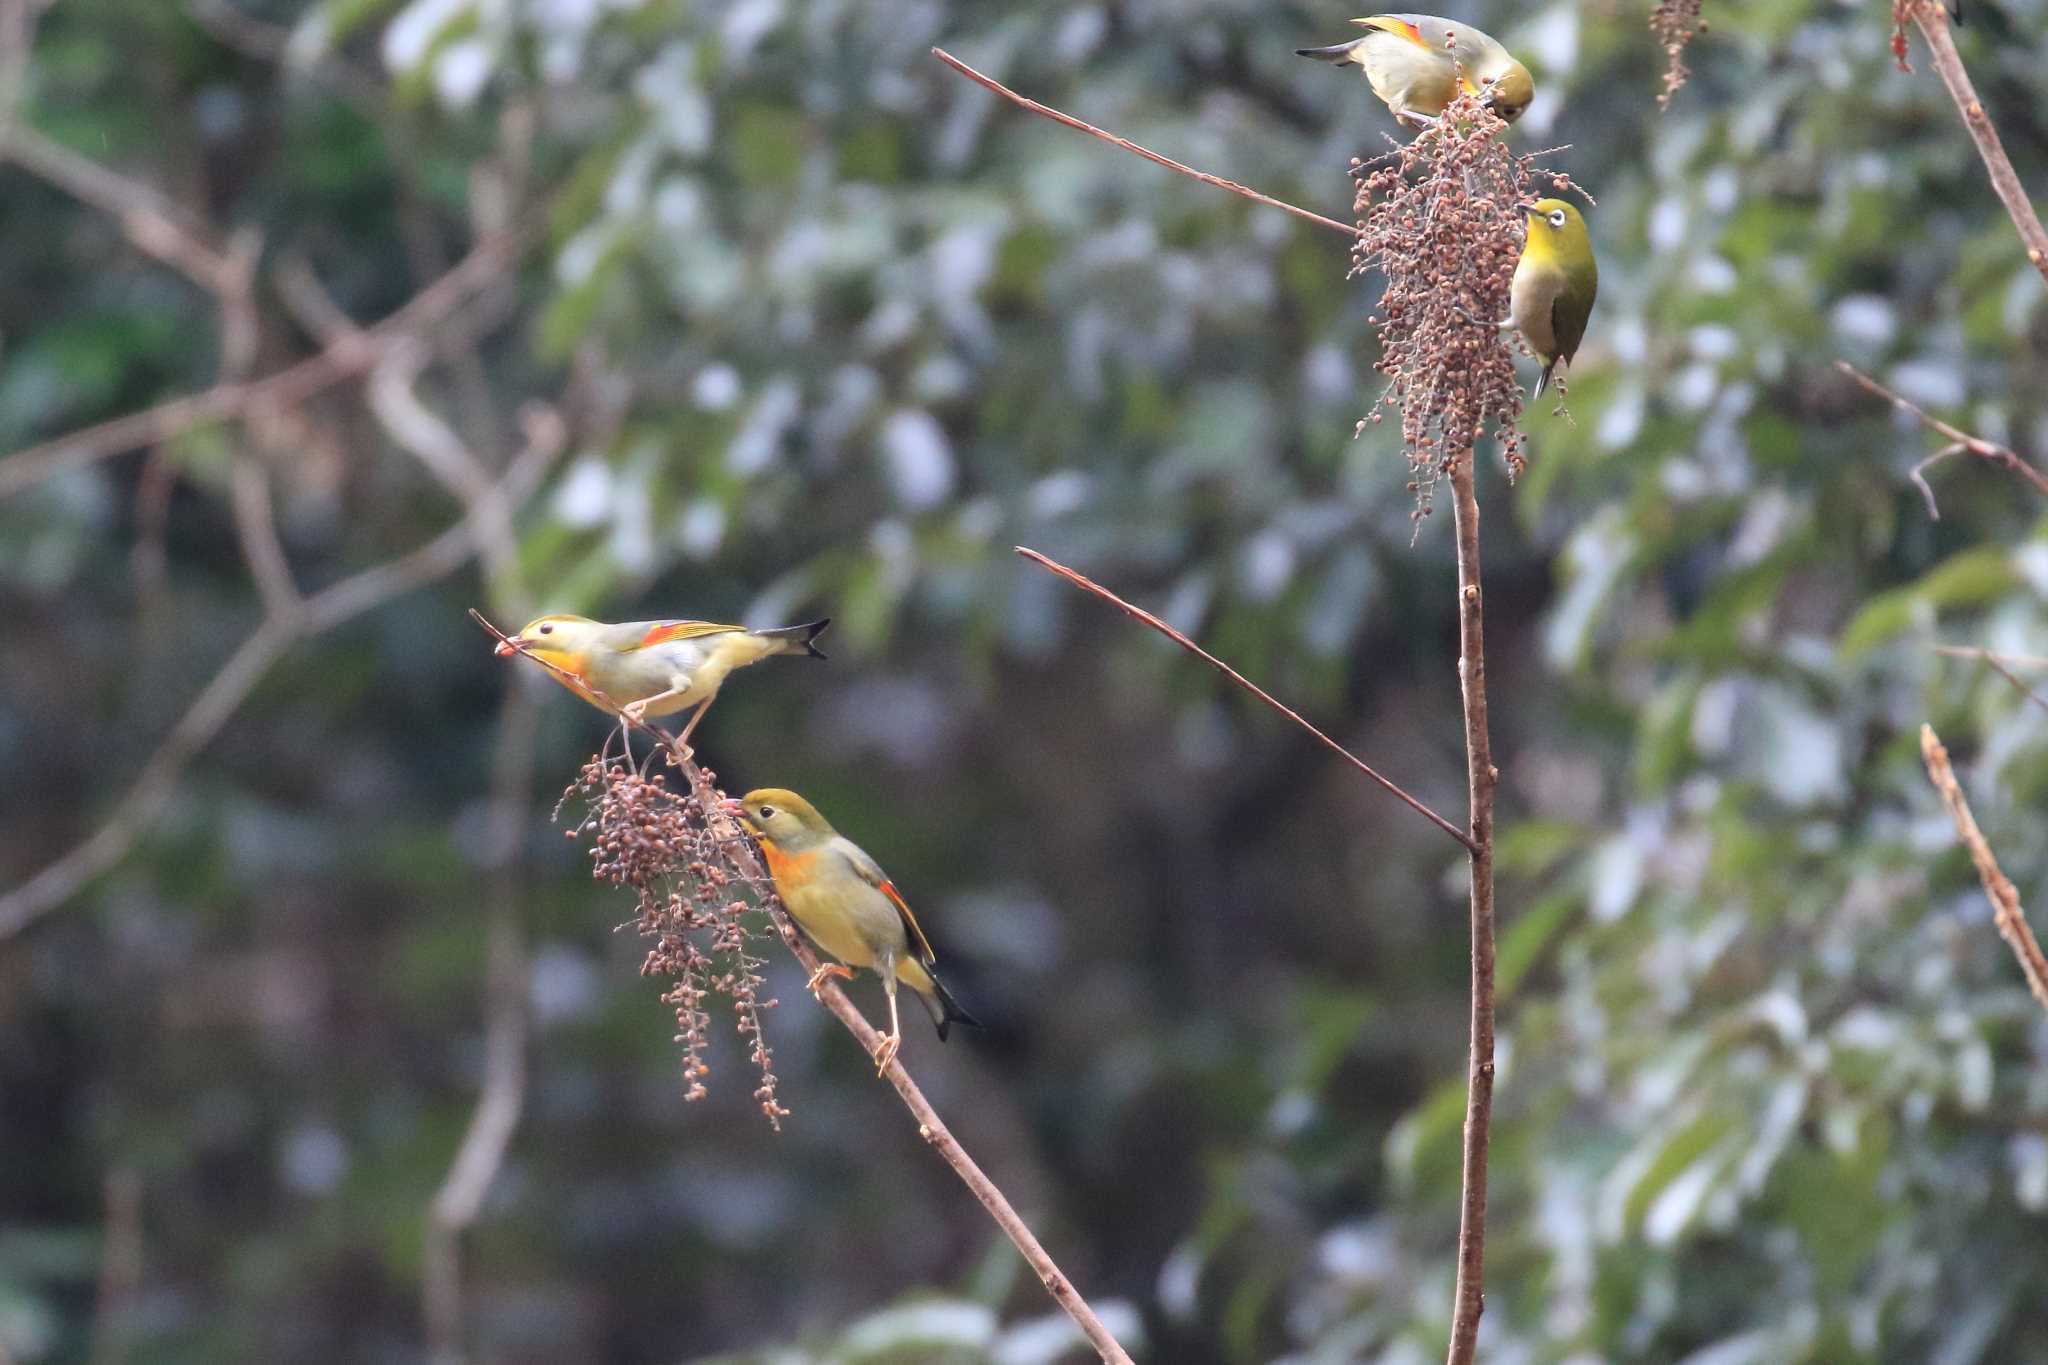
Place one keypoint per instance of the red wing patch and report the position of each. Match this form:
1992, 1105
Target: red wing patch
1400, 28
910, 921
664, 631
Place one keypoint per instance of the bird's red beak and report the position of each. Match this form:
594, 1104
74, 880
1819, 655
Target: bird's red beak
506, 648
732, 808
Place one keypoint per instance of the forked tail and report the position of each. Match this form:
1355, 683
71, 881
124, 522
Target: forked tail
800, 636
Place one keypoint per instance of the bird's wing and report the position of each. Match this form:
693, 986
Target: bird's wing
1400, 25
871, 872
1568, 323
666, 632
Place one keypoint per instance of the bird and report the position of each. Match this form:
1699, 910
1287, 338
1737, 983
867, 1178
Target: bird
1417, 64
846, 905
638, 669
1551, 295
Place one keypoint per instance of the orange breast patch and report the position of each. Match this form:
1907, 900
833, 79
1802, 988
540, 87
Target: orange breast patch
788, 869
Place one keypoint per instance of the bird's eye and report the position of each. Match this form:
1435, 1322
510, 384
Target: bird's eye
1557, 218
547, 629
766, 812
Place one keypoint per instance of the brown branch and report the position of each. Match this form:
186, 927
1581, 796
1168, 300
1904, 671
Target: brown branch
929, 1125
2001, 665
1933, 24
345, 359
1047, 111
120, 1267
1481, 778
2005, 898
481, 1153
218, 701
1147, 618
1959, 440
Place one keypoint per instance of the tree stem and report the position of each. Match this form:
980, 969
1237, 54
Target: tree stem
1481, 779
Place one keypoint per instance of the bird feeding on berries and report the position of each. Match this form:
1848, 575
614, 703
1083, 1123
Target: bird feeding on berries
846, 904
1551, 295
1417, 64
638, 669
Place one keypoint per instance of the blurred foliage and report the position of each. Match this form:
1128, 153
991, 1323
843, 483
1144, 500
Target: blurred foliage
1771, 1089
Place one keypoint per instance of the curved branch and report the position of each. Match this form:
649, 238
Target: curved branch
2005, 897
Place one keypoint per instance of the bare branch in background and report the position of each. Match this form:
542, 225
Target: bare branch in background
120, 1265
287, 388
2002, 665
218, 701
1933, 23
1141, 615
1959, 441
2005, 897
1047, 111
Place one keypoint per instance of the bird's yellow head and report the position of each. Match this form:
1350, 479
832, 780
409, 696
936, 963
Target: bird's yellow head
782, 818
1556, 231
1511, 91
561, 640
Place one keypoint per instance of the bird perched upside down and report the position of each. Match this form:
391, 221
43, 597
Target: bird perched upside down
1551, 295
639, 669
1418, 63
846, 905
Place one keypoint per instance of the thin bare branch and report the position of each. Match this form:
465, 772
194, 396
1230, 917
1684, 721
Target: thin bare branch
1047, 111
1975, 445
2001, 665
482, 1152
2005, 897
930, 1127
1481, 779
1918, 474
120, 1266
1933, 23
1147, 618
345, 359
218, 701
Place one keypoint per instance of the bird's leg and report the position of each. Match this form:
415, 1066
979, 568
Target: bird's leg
636, 711
827, 970
683, 739
886, 1052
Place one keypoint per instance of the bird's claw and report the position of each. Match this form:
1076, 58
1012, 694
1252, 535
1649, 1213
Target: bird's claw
885, 1052
828, 970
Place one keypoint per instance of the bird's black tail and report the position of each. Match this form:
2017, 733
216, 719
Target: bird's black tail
944, 1009
1335, 53
801, 635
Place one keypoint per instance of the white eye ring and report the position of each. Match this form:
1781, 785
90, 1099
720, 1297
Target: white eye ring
1557, 218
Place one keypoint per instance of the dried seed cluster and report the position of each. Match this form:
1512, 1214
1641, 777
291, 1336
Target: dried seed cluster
1437, 218
656, 842
1675, 23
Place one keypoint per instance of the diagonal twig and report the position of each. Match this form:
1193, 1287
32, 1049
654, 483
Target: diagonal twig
929, 1126
1047, 111
2004, 896
1933, 24
1139, 614
2001, 664
1959, 440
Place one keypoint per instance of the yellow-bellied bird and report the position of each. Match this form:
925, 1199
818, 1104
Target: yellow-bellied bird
846, 905
1417, 64
1551, 295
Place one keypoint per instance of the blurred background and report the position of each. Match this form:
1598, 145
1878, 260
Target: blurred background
748, 309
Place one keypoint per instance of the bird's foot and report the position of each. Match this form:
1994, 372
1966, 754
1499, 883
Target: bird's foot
825, 972
885, 1053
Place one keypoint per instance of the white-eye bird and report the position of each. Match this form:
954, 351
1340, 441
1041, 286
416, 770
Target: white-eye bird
846, 905
639, 669
1551, 295
1418, 63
